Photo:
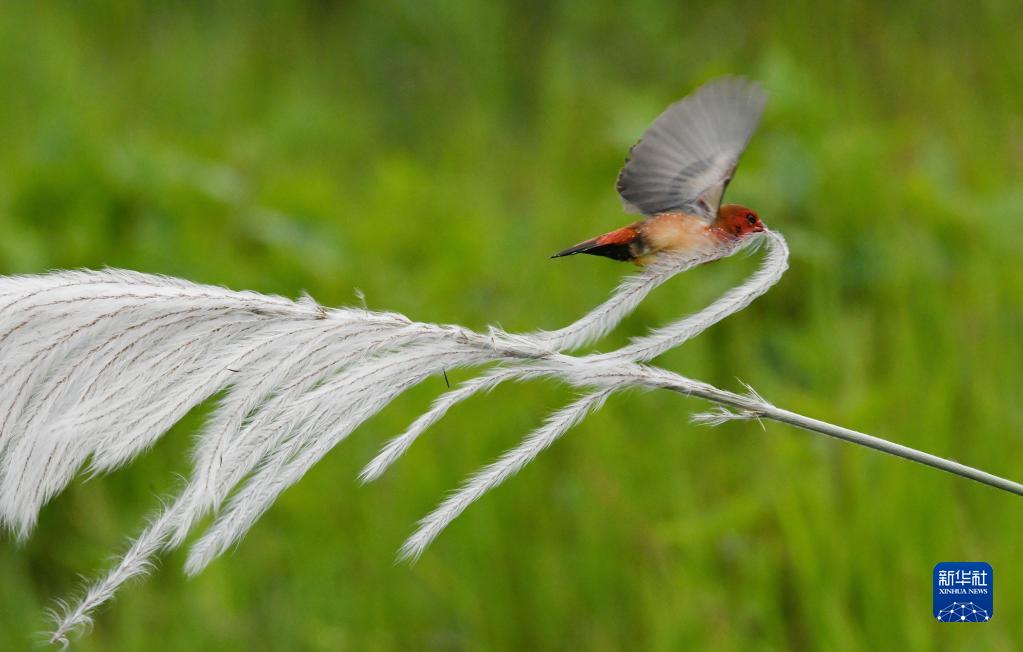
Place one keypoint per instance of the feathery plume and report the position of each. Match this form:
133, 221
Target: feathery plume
96, 366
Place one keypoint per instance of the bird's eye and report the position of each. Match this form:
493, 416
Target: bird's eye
751, 218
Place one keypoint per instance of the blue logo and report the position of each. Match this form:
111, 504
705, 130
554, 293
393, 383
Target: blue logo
964, 592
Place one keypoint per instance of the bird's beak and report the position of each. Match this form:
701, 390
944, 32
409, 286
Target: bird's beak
759, 228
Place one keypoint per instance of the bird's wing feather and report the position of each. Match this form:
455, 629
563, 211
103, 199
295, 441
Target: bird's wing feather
686, 158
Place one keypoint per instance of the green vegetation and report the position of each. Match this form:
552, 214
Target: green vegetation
433, 155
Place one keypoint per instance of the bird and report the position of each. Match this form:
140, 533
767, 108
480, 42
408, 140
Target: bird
676, 174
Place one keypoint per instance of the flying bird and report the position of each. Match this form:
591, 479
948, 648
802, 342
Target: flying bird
676, 175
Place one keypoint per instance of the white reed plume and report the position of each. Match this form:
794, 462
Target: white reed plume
494, 474
95, 366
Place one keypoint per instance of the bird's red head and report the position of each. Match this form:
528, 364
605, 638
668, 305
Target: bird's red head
738, 221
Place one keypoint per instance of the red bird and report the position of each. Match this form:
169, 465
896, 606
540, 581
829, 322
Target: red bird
677, 173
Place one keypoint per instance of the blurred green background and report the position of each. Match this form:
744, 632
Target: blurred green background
433, 155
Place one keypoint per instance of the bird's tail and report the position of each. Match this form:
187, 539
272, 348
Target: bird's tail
623, 244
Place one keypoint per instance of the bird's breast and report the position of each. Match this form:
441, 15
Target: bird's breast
678, 232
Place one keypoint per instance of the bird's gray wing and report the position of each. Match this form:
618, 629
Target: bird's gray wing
686, 158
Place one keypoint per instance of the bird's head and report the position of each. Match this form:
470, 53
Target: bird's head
738, 221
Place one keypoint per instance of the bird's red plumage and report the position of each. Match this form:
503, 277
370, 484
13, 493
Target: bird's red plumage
621, 236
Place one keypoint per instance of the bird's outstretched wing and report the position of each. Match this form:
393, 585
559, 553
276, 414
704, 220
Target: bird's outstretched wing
686, 158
